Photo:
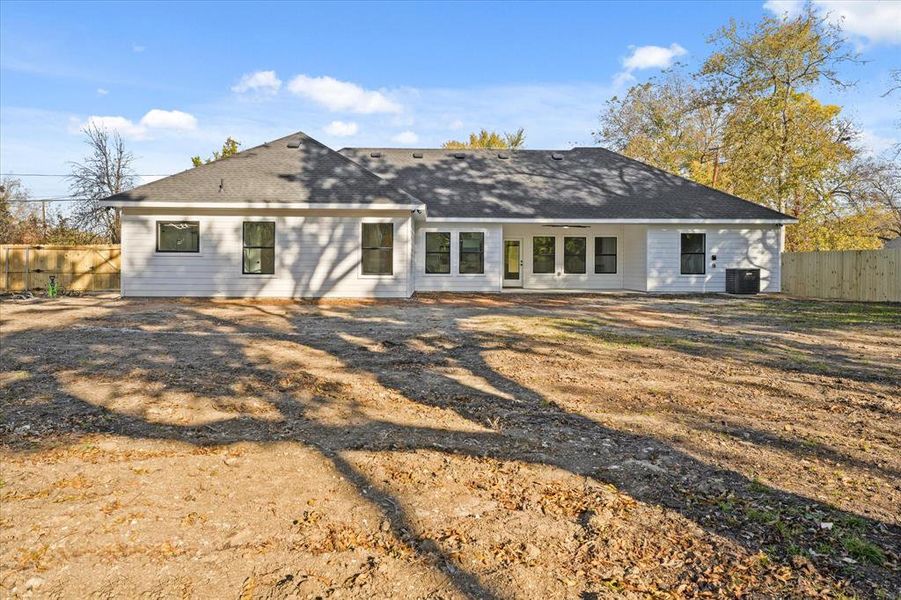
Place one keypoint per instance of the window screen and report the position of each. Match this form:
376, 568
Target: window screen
259, 248
574, 254
437, 252
378, 248
543, 254
177, 236
693, 253
605, 255
472, 252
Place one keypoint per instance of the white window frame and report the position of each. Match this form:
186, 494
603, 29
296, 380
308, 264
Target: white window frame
394, 253
447, 230
706, 252
170, 253
455, 240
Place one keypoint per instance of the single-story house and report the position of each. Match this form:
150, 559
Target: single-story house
293, 218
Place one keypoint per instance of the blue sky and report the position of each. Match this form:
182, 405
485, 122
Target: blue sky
176, 79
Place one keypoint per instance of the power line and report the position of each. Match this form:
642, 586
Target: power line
69, 175
36, 200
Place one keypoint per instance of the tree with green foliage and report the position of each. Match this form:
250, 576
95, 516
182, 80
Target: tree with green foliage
229, 148
489, 140
748, 123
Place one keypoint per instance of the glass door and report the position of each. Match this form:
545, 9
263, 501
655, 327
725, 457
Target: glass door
512, 263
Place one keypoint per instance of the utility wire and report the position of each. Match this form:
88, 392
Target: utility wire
69, 175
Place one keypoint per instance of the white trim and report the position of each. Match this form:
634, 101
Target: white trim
263, 205
378, 220
517, 283
612, 221
450, 254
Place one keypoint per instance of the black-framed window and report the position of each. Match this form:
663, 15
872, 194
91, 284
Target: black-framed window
574, 253
605, 255
178, 236
437, 252
693, 253
259, 248
544, 254
472, 253
378, 248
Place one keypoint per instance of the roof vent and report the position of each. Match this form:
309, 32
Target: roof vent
417, 155
459, 155
294, 144
556, 156
375, 154
503, 155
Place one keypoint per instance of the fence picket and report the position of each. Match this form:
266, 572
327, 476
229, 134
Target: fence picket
79, 268
860, 275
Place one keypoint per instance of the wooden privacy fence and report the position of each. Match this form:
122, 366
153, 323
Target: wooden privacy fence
81, 268
862, 275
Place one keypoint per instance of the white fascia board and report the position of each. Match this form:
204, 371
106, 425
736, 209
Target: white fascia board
617, 221
187, 206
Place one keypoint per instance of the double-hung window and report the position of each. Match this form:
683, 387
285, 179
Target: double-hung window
259, 248
604, 255
574, 254
378, 249
472, 253
693, 253
544, 256
437, 252
177, 236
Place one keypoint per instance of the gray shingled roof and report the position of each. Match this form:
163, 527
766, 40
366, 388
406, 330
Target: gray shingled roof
274, 173
586, 183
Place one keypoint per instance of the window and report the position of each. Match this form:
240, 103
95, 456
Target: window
543, 254
472, 253
605, 255
177, 236
259, 248
574, 254
437, 252
378, 248
693, 253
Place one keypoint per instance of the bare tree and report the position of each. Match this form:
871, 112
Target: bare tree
106, 170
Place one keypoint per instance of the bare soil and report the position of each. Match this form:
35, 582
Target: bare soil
450, 446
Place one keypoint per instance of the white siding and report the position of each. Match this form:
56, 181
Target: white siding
316, 254
490, 281
734, 247
563, 281
635, 257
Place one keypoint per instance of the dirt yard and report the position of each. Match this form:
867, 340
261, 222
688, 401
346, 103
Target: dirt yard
479, 446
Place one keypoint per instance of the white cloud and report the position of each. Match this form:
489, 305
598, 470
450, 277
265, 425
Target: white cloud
265, 82
169, 119
789, 8
137, 49
405, 137
341, 128
102, 92
125, 127
873, 143
873, 22
647, 57
342, 95
155, 120
455, 124
653, 57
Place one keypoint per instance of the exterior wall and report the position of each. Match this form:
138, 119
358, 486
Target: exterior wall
558, 280
734, 247
490, 281
317, 253
635, 257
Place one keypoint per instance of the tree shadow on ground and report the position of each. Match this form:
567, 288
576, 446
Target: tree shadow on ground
429, 354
